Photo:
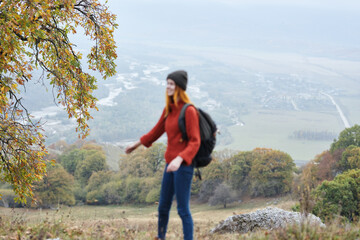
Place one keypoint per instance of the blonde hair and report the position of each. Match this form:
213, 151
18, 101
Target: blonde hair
179, 94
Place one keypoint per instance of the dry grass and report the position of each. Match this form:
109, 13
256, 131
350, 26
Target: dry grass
98, 222
129, 222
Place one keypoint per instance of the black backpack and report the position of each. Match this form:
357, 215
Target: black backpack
207, 134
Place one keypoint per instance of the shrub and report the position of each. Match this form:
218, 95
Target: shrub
340, 196
271, 173
113, 192
153, 195
55, 188
95, 197
350, 158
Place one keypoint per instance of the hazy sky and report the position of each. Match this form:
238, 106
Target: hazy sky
334, 4
270, 24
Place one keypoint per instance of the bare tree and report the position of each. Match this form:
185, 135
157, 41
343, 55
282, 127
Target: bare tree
222, 195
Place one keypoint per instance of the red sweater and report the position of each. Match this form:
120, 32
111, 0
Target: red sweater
175, 146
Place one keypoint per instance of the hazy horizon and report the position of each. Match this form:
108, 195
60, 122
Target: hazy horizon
300, 26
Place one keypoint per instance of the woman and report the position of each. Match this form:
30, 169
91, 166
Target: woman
178, 173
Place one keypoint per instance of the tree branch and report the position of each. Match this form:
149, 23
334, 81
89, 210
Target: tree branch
20, 36
6, 164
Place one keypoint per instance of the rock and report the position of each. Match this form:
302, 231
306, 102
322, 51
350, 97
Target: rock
265, 219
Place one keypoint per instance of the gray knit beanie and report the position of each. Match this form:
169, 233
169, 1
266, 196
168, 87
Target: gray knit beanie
179, 77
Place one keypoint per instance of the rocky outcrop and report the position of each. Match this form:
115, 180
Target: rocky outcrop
265, 219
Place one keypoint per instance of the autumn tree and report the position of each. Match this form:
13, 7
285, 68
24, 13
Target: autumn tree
271, 173
309, 180
240, 166
215, 170
327, 165
55, 188
323, 167
34, 36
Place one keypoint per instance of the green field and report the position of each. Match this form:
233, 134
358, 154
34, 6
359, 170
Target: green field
271, 129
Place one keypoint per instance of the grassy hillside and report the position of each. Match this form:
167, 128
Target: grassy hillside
140, 222
121, 222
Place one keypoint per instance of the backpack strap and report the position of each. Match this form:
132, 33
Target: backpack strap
198, 174
182, 122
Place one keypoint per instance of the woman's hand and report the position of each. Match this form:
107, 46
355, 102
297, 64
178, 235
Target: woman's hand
175, 164
132, 147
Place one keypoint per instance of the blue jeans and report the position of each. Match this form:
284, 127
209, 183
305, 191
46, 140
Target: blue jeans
179, 184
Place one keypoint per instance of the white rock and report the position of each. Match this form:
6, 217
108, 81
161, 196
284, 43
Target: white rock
268, 218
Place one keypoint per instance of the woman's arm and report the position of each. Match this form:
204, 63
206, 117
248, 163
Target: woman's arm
132, 147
